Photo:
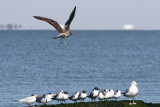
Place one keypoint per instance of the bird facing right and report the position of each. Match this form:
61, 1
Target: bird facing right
132, 91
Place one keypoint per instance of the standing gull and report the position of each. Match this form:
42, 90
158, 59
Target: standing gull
132, 91
63, 33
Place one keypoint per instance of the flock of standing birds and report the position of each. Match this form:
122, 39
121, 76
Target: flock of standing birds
62, 96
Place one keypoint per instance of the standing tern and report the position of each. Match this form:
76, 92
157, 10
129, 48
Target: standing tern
28, 100
45, 98
65, 96
74, 97
83, 95
59, 96
101, 95
117, 94
93, 95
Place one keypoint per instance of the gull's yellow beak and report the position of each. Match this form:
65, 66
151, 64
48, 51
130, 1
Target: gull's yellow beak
136, 84
37, 96
53, 94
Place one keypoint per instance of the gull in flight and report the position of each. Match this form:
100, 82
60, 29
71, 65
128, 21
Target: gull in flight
63, 33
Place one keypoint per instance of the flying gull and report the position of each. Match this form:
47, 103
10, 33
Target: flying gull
63, 33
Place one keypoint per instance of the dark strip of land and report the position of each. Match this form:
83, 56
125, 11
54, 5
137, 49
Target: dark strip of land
104, 104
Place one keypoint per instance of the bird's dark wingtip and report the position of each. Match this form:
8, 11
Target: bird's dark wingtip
74, 8
35, 17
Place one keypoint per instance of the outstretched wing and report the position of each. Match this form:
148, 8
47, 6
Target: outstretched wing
51, 22
67, 24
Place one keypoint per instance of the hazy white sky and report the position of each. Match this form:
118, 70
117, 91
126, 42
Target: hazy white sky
90, 14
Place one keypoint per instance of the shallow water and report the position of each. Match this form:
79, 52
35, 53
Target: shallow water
32, 62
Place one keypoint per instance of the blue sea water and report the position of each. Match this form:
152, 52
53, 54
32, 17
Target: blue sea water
31, 62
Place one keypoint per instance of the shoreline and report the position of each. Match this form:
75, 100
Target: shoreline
121, 103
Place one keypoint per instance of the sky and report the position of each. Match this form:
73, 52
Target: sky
90, 14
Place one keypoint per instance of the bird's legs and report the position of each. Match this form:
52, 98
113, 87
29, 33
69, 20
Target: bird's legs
65, 41
61, 41
133, 101
130, 102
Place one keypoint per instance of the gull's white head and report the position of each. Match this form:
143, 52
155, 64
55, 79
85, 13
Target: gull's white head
134, 83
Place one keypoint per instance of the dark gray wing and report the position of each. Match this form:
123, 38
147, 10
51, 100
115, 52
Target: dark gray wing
91, 95
51, 22
126, 91
67, 24
38, 99
115, 93
79, 95
54, 98
71, 97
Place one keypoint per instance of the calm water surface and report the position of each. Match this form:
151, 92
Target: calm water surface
31, 62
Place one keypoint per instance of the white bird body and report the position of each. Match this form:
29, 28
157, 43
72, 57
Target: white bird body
95, 93
27, 100
83, 95
111, 93
65, 96
63, 35
75, 96
107, 94
117, 94
101, 95
132, 91
60, 95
